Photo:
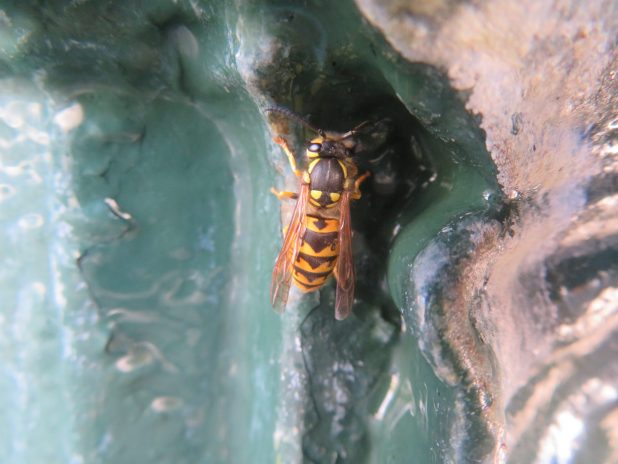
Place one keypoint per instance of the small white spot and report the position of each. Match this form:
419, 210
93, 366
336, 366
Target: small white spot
39, 288
125, 315
115, 208
166, 403
134, 361
73, 202
70, 118
12, 115
40, 137
30, 221
18, 170
35, 109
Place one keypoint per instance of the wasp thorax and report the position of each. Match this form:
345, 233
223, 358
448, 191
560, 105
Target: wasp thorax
335, 149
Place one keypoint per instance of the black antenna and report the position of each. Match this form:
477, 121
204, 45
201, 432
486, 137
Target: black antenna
291, 115
352, 132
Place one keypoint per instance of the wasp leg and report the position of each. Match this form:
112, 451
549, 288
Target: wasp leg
283, 195
289, 153
357, 193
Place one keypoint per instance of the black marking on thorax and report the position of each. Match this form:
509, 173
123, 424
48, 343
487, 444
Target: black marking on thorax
327, 176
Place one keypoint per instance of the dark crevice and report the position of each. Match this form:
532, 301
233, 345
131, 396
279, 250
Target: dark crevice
602, 186
576, 275
409, 161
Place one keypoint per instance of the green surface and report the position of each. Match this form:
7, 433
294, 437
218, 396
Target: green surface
143, 333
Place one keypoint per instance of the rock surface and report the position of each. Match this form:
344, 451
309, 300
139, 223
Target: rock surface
536, 294
140, 235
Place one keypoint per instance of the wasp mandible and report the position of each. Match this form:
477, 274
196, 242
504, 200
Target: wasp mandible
318, 240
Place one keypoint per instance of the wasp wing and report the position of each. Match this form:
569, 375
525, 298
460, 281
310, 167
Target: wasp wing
284, 265
344, 272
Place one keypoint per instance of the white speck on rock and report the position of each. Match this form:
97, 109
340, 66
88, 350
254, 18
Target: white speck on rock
70, 118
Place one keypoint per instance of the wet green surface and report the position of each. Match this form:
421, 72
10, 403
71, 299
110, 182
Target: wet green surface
140, 329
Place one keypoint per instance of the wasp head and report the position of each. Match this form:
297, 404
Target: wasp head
326, 146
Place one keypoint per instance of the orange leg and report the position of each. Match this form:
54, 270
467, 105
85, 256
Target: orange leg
284, 195
357, 193
289, 153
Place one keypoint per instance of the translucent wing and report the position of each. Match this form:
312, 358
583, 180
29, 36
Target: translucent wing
344, 272
284, 266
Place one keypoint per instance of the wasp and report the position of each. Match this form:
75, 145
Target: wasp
318, 240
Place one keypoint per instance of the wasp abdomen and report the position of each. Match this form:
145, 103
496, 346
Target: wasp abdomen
318, 253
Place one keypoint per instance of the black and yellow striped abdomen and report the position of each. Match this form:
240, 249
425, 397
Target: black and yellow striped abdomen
318, 253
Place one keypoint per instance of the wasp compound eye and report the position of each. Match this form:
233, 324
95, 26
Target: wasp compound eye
315, 147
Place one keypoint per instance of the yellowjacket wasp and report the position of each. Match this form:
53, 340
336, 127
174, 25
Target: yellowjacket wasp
318, 240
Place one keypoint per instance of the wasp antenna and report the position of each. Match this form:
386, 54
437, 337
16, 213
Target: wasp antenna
355, 130
291, 115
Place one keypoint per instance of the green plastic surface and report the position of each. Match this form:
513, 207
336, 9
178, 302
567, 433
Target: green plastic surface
139, 236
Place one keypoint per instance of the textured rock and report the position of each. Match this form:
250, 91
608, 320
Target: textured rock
529, 313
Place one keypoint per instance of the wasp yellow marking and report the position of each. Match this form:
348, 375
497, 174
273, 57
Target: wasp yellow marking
328, 251
316, 194
322, 225
326, 266
312, 165
345, 170
303, 279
